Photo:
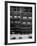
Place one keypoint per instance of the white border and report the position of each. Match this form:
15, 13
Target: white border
33, 18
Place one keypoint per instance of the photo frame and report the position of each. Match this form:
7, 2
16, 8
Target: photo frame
20, 22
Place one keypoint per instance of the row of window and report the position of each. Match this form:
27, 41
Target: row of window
21, 22
20, 17
24, 9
